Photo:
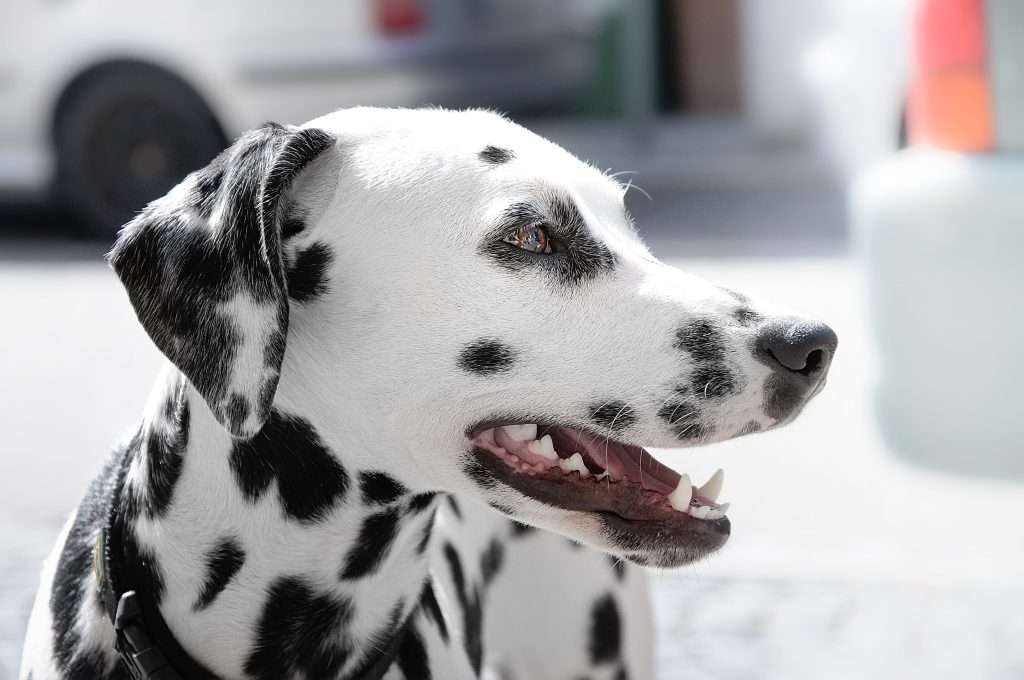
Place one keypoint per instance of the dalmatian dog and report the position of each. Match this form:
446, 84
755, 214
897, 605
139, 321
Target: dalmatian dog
413, 360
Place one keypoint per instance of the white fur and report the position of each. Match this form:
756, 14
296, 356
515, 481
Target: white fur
404, 201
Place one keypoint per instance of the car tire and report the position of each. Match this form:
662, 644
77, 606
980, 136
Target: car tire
124, 137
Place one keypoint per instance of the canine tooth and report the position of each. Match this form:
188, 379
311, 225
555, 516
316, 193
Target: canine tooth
521, 433
544, 447
574, 463
700, 511
713, 487
679, 499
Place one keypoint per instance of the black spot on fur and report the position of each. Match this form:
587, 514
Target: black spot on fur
613, 415
165, 444
502, 508
703, 340
222, 563
750, 428
605, 631
737, 296
207, 187
299, 632
145, 568
379, 643
577, 256
485, 357
480, 475
293, 223
519, 529
491, 560
372, 545
380, 488
430, 605
307, 276
425, 534
684, 418
472, 609
454, 505
712, 381
695, 431
455, 567
309, 479
781, 397
237, 410
496, 155
422, 501
746, 317
90, 664
412, 657
618, 566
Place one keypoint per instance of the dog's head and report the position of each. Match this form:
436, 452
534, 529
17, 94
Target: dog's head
464, 304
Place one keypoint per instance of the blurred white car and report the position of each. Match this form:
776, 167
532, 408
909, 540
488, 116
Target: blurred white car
941, 228
112, 101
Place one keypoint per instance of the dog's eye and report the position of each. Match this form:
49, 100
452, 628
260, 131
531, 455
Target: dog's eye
533, 238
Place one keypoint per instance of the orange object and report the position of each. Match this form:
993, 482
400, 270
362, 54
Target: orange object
950, 34
950, 100
953, 110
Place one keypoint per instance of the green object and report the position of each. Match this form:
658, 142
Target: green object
603, 95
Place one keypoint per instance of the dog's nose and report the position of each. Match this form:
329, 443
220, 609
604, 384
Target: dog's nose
797, 345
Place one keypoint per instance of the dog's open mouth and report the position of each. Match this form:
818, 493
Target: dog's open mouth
577, 470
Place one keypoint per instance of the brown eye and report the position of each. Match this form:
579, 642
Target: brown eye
533, 238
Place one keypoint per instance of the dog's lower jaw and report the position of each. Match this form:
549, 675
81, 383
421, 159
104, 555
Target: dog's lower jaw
226, 524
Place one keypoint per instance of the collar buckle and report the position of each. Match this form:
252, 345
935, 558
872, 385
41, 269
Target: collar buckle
143, 659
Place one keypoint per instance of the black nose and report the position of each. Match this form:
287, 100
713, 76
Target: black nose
797, 345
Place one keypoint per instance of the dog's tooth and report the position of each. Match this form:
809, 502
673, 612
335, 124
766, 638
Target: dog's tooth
576, 460
679, 499
574, 463
712, 488
700, 511
521, 433
544, 447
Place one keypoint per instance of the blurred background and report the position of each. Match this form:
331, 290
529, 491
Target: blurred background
858, 160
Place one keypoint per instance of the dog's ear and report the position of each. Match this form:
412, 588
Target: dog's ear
203, 270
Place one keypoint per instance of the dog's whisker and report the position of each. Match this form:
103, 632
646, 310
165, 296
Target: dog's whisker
632, 185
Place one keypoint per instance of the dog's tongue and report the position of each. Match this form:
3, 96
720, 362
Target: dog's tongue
620, 460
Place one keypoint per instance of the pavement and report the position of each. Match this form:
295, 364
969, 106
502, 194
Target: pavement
845, 561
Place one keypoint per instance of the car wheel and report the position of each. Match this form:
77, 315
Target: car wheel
125, 137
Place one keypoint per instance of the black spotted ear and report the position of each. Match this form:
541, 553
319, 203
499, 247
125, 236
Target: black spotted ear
203, 270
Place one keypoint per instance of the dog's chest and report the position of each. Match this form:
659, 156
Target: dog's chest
315, 578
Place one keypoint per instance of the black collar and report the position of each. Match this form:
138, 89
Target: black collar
143, 641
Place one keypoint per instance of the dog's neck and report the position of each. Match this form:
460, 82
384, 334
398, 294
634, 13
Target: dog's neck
243, 534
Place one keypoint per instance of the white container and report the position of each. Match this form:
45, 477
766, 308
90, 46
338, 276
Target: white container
942, 238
